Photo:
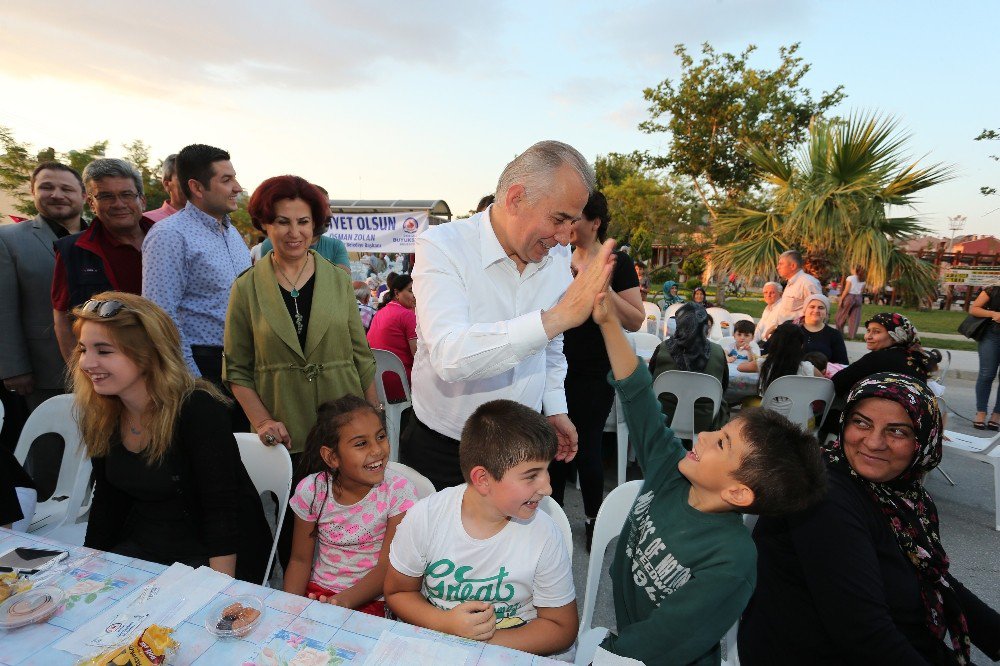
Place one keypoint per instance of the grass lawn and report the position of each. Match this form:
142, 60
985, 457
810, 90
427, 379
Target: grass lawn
927, 322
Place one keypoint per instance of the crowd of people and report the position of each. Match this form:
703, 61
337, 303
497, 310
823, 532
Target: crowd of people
512, 330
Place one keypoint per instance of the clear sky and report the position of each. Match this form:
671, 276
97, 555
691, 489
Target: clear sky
402, 100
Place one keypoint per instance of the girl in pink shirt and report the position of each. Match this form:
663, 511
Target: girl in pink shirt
394, 329
346, 509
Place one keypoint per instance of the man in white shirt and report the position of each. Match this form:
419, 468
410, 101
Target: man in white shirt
800, 286
494, 295
769, 317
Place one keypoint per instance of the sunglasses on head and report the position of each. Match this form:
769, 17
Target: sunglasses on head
103, 309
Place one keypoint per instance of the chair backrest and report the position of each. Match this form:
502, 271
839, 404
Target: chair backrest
610, 518
424, 486
720, 316
386, 361
644, 343
651, 309
688, 387
672, 310
270, 469
55, 415
551, 507
1, 416
793, 396
739, 316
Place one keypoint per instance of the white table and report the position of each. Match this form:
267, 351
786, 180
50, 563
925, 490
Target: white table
96, 581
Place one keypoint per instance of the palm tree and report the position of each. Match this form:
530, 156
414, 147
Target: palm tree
830, 201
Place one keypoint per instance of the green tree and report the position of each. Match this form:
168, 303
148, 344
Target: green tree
645, 209
79, 159
241, 220
722, 103
16, 164
137, 153
830, 202
989, 135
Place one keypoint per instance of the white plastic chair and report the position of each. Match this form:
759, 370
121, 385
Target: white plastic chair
270, 469
739, 316
688, 387
644, 344
424, 486
72, 527
386, 361
551, 507
55, 415
983, 449
793, 396
652, 317
671, 310
608, 525
720, 315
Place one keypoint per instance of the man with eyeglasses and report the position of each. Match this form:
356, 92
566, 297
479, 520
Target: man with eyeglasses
108, 255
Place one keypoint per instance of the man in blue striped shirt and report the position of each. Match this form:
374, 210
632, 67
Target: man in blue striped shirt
191, 258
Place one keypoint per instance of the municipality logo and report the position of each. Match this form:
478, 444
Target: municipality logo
410, 225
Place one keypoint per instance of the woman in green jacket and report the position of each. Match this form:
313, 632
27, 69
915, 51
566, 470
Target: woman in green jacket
284, 357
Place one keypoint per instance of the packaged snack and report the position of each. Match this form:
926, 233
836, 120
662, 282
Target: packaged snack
151, 648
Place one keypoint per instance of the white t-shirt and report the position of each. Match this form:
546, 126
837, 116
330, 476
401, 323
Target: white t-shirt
854, 285
524, 566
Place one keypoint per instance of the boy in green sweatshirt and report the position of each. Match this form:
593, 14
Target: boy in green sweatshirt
685, 565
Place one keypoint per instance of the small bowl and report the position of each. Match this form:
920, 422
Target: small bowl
35, 605
235, 617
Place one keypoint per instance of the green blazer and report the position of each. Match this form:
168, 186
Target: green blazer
263, 353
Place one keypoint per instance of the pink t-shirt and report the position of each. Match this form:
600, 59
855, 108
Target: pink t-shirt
392, 329
350, 537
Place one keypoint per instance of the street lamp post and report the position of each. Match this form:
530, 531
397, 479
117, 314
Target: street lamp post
955, 223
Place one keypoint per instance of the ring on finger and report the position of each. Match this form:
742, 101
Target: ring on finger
269, 438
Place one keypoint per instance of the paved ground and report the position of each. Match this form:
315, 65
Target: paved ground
966, 509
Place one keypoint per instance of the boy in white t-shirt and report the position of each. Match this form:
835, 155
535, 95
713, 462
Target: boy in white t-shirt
741, 346
480, 560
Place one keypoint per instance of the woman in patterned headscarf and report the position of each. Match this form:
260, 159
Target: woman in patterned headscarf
893, 346
863, 577
690, 349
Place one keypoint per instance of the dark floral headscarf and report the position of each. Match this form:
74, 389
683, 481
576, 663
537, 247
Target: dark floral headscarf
906, 505
902, 332
689, 346
904, 336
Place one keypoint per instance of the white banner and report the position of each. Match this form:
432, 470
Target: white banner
972, 276
379, 232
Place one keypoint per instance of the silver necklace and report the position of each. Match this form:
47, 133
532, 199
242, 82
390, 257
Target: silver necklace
294, 293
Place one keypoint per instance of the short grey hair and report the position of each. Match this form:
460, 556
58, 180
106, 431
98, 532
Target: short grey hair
111, 167
794, 255
776, 285
535, 167
170, 166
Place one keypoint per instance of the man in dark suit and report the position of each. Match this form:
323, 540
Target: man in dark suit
30, 362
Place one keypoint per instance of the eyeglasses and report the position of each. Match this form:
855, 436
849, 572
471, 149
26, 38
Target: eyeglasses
109, 198
103, 309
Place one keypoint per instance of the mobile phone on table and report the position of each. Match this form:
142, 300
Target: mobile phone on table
24, 560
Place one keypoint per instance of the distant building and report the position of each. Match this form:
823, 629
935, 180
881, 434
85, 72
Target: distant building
978, 245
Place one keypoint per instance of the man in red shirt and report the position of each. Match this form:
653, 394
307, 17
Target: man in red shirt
108, 254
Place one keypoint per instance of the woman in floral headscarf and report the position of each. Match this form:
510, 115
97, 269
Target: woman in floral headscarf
863, 577
894, 346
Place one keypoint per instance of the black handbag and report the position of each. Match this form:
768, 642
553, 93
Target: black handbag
974, 327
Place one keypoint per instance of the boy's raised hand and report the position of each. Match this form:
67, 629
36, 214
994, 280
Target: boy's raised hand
473, 619
604, 311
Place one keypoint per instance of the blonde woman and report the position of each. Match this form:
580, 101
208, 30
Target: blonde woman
170, 485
